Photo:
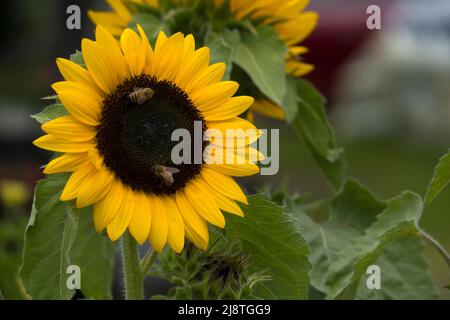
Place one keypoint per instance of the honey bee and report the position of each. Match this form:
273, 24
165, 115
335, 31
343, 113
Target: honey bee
141, 95
166, 174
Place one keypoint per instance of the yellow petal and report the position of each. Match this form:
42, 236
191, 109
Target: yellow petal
214, 95
112, 48
82, 102
76, 179
95, 158
228, 205
101, 66
94, 188
159, 226
196, 227
73, 72
123, 216
236, 170
189, 46
52, 143
68, 162
231, 109
297, 68
69, 128
133, 51
109, 20
167, 57
192, 66
147, 47
175, 236
141, 222
106, 209
120, 8
268, 109
224, 184
204, 204
213, 74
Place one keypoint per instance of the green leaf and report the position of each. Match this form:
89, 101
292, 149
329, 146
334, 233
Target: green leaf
355, 207
353, 211
312, 125
222, 47
49, 113
290, 100
151, 24
77, 57
404, 273
261, 55
1, 296
48, 240
399, 219
440, 179
94, 254
276, 245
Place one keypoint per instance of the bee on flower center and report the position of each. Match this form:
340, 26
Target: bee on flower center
141, 95
166, 174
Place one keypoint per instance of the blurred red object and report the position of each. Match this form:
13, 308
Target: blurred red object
341, 32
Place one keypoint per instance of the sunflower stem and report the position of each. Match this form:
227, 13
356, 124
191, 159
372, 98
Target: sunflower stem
147, 262
133, 279
436, 245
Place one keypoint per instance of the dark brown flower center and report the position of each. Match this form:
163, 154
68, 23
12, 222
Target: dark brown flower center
135, 131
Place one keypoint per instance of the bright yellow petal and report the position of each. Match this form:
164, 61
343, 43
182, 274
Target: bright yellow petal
147, 48
68, 128
160, 225
52, 143
112, 48
106, 209
167, 57
214, 95
76, 179
192, 66
141, 222
268, 109
101, 66
211, 75
134, 51
123, 216
109, 20
223, 202
204, 204
82, 102
120, 8
175, 236
196, 227
224, 184
231, 109
73, 72
236, 170
94, 188
69, 162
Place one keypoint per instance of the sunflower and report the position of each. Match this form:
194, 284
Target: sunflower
117, 139
288, 17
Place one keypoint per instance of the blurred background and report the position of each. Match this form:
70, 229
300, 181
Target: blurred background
388, 92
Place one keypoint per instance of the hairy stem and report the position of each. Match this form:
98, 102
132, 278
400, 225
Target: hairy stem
133, 279
436, 245
147, 261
